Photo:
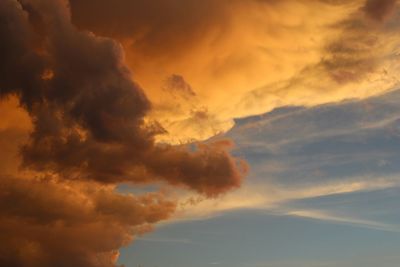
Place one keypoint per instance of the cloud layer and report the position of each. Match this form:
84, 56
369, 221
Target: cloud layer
243, 58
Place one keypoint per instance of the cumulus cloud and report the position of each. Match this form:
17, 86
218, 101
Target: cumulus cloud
89, 115
83, 132
50, 223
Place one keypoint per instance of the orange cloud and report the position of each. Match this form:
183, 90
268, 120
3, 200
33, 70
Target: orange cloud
88, 118
46, 222
86, 125
81, 124
242, 58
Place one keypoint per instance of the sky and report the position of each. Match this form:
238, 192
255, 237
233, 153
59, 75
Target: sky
185, 133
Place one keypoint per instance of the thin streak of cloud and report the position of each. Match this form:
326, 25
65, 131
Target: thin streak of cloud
274, 197
326, 216
165, 240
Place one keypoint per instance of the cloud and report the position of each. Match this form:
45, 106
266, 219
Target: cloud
313, 155
277, 198
152, 26
358, 60
346, 220
89, 116
87, 125
379, 10
47, 222
78, 120
248, 57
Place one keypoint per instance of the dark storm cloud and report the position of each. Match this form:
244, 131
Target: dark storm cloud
88, 134
88, 114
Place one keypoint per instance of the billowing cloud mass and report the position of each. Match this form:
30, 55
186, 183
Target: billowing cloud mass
76, 123
88, 114
244, 58
49, 223
83, 131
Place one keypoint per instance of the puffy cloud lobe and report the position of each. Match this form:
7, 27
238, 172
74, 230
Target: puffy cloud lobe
45, 222
21, 66
206, 170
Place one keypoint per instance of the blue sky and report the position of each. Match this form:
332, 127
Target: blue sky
329, 177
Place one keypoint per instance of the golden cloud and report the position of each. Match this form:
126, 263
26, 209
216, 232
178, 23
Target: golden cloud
242, 58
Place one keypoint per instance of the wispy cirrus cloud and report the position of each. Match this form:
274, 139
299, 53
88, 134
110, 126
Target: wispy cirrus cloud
299, 157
